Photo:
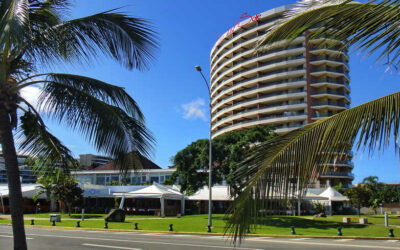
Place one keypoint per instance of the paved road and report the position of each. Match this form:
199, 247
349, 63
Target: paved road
58, 239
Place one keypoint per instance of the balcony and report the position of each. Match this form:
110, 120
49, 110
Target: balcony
257, 98
229, 50
329, 69
219, 131
236, 33
336, 174
337, 49
241, 62
263, 85
261, 109
331, 103
293, 60
322, 114
331, 92
332, 162
318, 81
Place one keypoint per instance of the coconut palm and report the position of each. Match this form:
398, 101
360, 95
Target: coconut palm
36, 33
282, 167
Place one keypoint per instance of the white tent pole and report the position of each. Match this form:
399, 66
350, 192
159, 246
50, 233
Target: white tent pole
162, 206
183, 205
298, 207
298, 197
121, 205
2, 203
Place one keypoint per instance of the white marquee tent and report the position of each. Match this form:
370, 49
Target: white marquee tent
333, 195
219, 193
157, 191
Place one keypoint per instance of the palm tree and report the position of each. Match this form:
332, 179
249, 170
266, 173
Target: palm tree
283, 166
34, 33
46, 186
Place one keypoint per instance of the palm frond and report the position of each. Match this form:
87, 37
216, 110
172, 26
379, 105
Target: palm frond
106, 92
131, 41
38, 142
280, 169
368, 26
13, 27
108, 127
14, 21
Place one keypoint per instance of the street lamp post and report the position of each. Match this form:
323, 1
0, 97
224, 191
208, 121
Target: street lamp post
198, 68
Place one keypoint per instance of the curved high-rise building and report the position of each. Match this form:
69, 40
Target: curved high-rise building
287, 86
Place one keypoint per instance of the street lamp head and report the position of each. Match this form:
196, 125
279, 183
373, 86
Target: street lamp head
198, 68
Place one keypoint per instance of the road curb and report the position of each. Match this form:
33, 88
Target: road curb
212, 234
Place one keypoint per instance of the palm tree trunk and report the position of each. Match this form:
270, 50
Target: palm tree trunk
14, 184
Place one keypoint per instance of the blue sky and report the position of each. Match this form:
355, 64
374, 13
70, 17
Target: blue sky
172, 94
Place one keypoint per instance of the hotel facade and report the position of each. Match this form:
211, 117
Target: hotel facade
287, 86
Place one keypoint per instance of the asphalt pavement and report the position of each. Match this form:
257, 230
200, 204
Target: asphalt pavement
60, 239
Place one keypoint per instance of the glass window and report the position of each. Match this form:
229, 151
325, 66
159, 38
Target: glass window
108, 179
100, 179
162, 179
154, 179
144, 178
115, 177
135, 180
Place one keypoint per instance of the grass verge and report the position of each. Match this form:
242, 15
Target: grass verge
272, 225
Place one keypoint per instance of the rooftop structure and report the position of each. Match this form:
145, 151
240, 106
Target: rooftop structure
93, 160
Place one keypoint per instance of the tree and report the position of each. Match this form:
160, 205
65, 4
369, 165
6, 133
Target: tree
191, 165
339, 187
359, 197
373, 187
46, 186
370, 27
34, 33
228, 151
68, 192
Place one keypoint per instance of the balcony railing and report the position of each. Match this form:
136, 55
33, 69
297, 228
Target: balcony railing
329, 91
261, 97
236, 33
330, 81
259, 109
258, 66
322, 114
334, 173
236, 63
299, 79
330, 103
329, 69
289, 126
333, 48
262, 119
350, 163
328, 58
257, 87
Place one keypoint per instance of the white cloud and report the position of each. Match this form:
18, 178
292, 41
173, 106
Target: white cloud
31, 95
194, 109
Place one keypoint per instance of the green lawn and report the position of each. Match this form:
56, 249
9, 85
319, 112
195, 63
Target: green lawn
272, 225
